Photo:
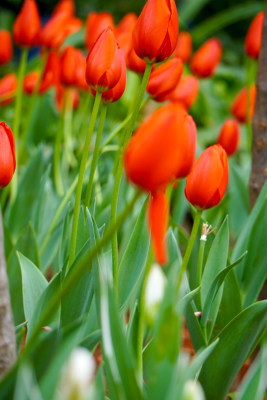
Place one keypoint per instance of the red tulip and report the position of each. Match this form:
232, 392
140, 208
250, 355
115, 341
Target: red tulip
27, 26
58, 28
239, 106
253, 37
114, 94
135, 63
206, 58
162, 149
158, 215
8, 87
186, 91
30, 81
80, 79
7, 155
68, 62
6, 48
51, 75
229, 136
124, 31
156, 31
184, 46
66, 7
207, 182
163, 79
103, 64
95, 24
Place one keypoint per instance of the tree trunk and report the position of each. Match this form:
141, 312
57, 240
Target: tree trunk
7, 334
259, 124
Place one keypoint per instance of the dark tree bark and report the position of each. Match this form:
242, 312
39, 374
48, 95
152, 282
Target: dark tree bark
259, 124
7, 334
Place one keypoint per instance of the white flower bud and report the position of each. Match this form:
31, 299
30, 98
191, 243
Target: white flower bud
77, 375
154, 293
193, 391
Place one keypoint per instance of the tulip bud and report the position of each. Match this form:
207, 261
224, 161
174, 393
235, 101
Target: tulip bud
154, 292
6, 48
77, 376
58, 28
207, 182
164, 79
134, 63
8, 87
103, 64
70, 68
30, 81
229, 136
193, 391
186, 91
184, 46
7, 155
66, 7
51, 75
156, 31
206, 58
253, 37
239, 107
27, 26
95, 24
114, 94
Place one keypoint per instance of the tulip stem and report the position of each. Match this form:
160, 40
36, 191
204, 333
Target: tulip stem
140, 329
68, 114
80, 178
199, 269
188, 250
89, 189
84, 113
57, 173
18, 104
115, 195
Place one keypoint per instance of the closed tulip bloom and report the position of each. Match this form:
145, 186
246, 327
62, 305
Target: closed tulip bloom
95, 24
239, 106
253, 36
69, 62
8, 87
30, 81
207, 182
162, 149
184, 47
66, 7
80, 80
103, 64
58, 28
163, 79
206, 58
27, 26
7, 155
156, 31
6, 48
114, 94
229, 136
186, 91
135, 63
158, 216
51, 75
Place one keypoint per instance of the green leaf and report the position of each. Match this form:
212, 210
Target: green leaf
236, 341
194, 327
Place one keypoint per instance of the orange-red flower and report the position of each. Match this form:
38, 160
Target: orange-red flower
163, 79
156, 31
66, 7
253, 36
206, 58
8, 87
68, 63
183, 48
30, 81
7, 155
6, 48
229, 136
95, 24
114, 94
135, 63
158, 215
239, 107
186, 91
27, 26
51, 75
207, 182
58, 28
124, 31
103, 64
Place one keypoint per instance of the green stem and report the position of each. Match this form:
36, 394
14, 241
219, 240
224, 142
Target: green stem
18, 104
68, 114
199, 269
115, 195
188, 250
80, 178
140, 331
57, 150
81, 133
89, 190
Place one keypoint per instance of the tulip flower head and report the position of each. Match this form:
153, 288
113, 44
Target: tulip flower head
186, 91
6, 48
7, 155
239, 107
69, 62
58, 28
184, 46
30, 81
253, 36
95, 24
27, 26
206, 58
164, 79
135, 63
114, 94
229, 136
207, 182
66, 7
156, 31
51, 75
8, 87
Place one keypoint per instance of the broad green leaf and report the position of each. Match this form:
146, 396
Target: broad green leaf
132, 328
236, 341
193, 327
